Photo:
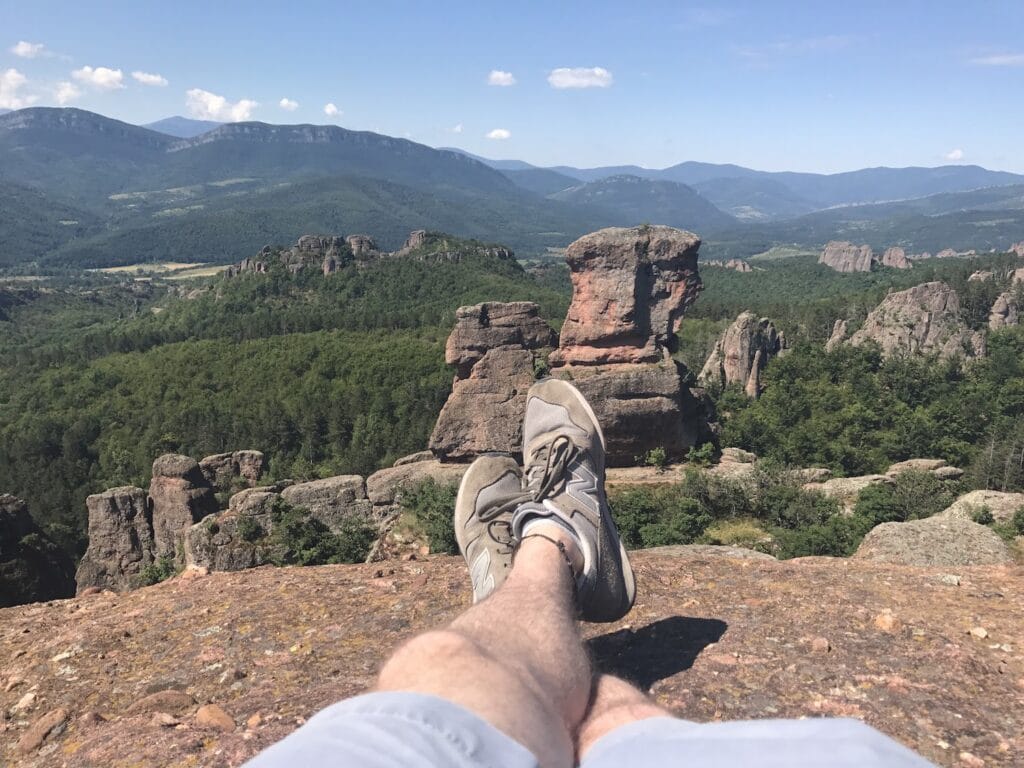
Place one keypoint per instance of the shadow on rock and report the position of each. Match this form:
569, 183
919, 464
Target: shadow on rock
659, 650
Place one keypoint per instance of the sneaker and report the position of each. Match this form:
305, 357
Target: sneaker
563, 454
489, 492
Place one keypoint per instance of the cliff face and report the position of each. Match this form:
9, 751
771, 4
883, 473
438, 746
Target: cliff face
930, 656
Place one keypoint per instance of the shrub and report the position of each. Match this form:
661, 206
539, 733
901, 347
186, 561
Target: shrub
656, 457
433, 507
702, 456
249, 529
651, 517
160, 570
983, 516
912, 496
1017, 521
744, 532
301, 539
839, 536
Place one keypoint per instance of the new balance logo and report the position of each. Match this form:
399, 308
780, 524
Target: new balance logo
583, 488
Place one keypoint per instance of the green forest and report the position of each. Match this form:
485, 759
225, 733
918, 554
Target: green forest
346, 373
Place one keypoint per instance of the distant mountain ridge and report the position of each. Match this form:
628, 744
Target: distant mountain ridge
182, 127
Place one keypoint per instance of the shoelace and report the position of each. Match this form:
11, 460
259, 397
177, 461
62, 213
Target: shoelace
544, 474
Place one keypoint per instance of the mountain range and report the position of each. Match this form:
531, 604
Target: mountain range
81, 189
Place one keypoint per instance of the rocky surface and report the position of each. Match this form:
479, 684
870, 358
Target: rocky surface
1005, 311
846, 490
630, 289
896, 258
1002, 505
943, 540
495, 349
920, 320
32, 567
224, 470
741, 354
120, 540
981, 276
1017, 248
931, 656
332, 499
847, 257
179, 495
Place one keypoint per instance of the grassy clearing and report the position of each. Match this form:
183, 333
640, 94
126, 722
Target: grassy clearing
782, 252
151, 268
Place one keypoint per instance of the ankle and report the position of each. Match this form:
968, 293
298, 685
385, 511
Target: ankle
556, 535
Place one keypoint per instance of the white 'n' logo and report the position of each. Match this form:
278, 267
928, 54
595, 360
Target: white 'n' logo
583, 487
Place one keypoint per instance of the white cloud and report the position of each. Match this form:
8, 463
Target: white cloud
209, 106
27, 50
1000, 60
498, 77
331, 109
457, 128
580, 77
288, 104
954, 155
101, 77
147, 78
66, 92
11, 81
500, 133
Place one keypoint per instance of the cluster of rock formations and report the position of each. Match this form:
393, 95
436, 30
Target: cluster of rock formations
847, 257
329, 253
32, 567
924, 319
737, 265
630, 290
131, 530
741, 354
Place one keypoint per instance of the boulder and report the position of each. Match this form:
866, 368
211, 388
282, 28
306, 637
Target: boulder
839, 333
223, 469
412, 458
235, 539
915, 465
415, 240
737, 456
179, 496
896, 258
331, 500
120, 540
946, 253
630, 289
1002, 505
1005, 311
384, 487
495, 349
642, 407
946, 541
847, 257
32, 567
741, 354
362, 246
1017, 248
846, 490
981, 276
924, 319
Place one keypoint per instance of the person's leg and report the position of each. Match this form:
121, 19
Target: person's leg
613, 704
515, 659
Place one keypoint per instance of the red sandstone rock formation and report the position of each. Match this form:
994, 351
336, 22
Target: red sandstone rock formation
630, 289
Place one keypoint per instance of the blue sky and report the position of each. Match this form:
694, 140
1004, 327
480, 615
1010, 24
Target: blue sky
810, 86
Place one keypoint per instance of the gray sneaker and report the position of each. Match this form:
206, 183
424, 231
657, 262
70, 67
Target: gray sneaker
489, 492
563, 455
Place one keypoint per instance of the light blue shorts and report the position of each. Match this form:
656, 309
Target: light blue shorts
410, 730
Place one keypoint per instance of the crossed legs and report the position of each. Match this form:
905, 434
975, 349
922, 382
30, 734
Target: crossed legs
517, 661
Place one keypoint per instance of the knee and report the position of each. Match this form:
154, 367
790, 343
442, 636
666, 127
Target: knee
431, 651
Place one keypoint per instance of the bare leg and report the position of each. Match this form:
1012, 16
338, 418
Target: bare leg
515, 659
614, 703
